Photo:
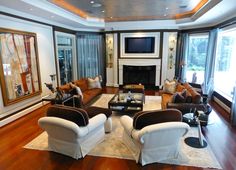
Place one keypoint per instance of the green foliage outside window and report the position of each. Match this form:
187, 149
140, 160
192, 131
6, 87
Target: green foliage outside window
197, 53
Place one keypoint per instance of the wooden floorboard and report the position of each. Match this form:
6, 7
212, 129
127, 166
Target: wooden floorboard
219, 134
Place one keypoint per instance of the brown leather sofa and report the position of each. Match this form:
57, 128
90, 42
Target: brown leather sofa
193, 100
88, 94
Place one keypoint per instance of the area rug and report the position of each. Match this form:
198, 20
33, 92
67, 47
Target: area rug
113, 146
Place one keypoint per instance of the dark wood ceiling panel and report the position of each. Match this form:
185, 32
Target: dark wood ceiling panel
128, 10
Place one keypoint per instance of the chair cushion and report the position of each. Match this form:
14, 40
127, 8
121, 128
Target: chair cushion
76, 115
145, 118
90, 94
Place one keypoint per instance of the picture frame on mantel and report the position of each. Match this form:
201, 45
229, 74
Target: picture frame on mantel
19, 66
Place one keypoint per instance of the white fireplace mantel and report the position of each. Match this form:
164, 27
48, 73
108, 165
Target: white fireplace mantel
140, 62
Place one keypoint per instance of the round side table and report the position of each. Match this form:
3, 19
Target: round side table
196, 142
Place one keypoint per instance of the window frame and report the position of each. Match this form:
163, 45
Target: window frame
222, 30
199, 34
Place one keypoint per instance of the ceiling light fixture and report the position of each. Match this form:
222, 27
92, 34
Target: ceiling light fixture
103, 11
183, 6
96, 5
92, 2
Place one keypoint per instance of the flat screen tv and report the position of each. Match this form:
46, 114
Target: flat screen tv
139, 44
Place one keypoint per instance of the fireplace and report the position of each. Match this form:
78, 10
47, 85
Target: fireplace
153, 64
144, 75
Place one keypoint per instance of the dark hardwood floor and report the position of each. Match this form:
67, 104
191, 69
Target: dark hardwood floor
220, 136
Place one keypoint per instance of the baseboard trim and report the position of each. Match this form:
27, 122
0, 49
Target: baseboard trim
109, 84
20, 114
224, 106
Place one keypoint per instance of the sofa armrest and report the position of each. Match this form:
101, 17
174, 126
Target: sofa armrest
187, 107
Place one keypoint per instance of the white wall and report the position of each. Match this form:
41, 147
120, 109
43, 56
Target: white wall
46, 58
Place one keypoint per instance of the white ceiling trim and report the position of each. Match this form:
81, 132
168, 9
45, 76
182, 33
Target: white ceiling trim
47, 6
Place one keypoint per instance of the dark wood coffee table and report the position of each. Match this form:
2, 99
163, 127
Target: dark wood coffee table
127, 102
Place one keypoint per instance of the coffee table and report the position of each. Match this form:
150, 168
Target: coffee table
127, 102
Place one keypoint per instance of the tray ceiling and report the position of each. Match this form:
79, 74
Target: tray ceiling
130, 10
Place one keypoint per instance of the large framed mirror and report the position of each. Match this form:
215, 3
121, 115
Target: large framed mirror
19, 66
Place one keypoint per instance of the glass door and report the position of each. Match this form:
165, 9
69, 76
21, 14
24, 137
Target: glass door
66, 57
65, 65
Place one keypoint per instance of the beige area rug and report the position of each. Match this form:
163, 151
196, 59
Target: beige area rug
113, 146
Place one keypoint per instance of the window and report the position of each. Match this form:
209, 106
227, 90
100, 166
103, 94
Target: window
196, 58
224, 75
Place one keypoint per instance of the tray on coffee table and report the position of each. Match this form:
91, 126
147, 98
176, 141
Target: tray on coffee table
127, 102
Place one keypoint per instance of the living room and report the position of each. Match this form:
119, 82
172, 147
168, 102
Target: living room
89, 38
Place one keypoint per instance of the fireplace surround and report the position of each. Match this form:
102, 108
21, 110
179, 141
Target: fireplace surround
144, 75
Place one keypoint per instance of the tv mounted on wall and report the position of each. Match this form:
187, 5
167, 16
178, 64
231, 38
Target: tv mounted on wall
139, 44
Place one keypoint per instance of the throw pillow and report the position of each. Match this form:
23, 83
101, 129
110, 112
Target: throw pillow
179, 87
169, 86
78, 90
179, 97
94, 83
184, 93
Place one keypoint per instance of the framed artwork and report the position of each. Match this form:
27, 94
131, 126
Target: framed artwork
19, 66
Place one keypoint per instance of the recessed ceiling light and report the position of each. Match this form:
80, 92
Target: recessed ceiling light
103, 11
111, 17
96, 5
92, 2
165, 15
183, 6
167, 8
31, 9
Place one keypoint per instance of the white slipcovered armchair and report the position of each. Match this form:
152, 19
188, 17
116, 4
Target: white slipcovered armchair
154, 136
71, 132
